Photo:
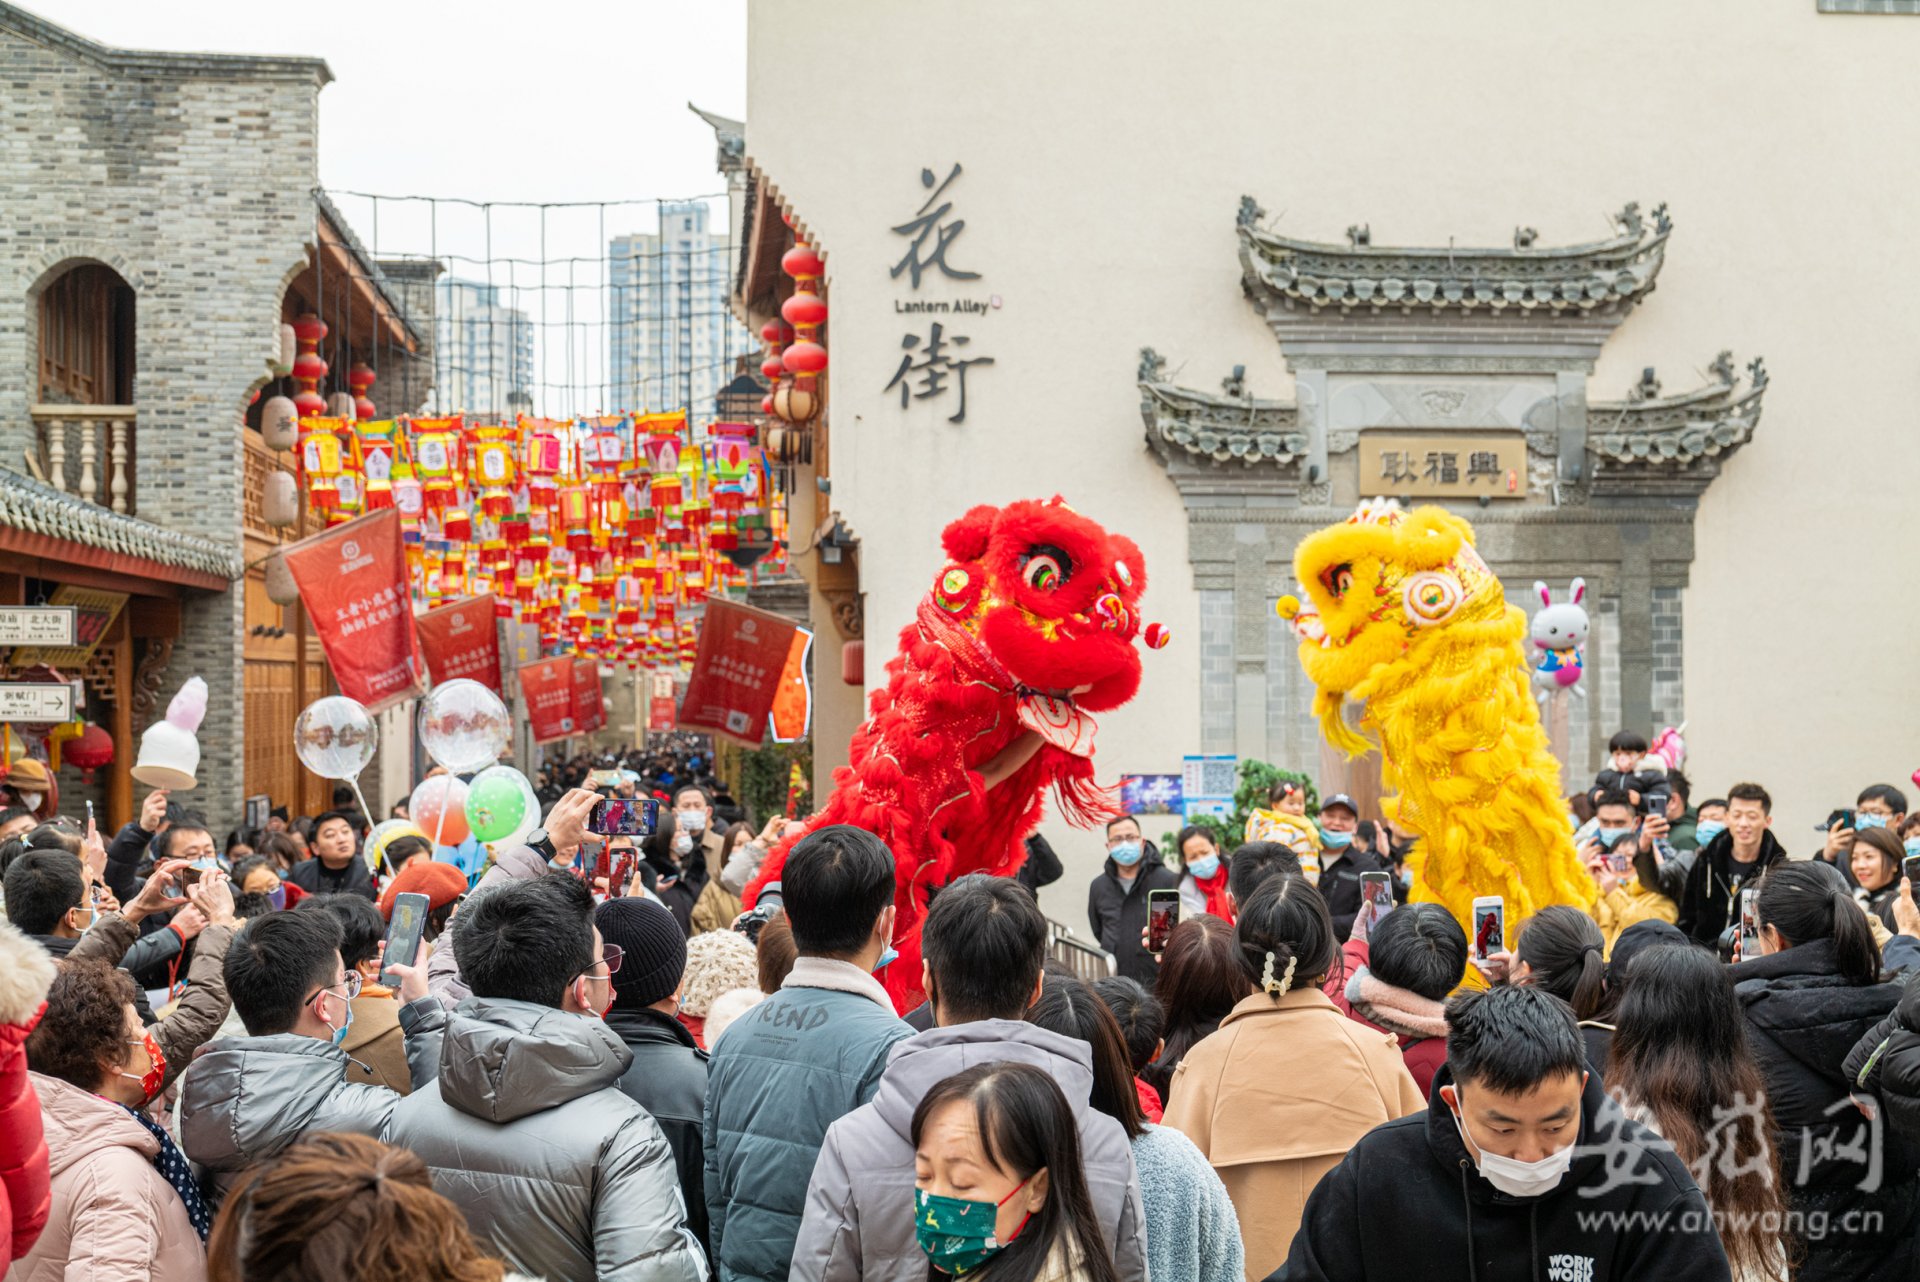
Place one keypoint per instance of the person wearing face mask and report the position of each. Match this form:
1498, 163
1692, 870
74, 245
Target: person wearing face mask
1644, 889
1709, 821
999, 1194
124, 1203
244, 1099
33, 788
1517, 1163
526, 1129
1203, 881
1342, 861
683, 853
1117, 899
1879, 805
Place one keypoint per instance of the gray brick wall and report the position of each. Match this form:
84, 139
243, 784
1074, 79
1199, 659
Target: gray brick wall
191, 176
1216, 670
1669, 690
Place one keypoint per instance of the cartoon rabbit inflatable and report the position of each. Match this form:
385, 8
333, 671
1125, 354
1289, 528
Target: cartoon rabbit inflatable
1560, 634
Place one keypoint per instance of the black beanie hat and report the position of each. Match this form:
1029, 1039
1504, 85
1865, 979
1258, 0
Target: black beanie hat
656, 951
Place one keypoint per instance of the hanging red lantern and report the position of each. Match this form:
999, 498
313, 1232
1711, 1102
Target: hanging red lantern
360, 378
771, 368
776, 332
308, 368
805, 310
802, 263
90, 751
804, 358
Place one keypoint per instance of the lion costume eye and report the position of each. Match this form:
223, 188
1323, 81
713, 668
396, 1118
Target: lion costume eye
1338, 579
1045, 568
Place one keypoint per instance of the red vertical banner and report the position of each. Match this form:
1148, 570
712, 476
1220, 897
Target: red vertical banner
589, 702
548, 688
737, 672
353, 583
460, 640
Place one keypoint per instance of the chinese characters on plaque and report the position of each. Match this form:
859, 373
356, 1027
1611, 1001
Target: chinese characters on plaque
934, 362
1443, 466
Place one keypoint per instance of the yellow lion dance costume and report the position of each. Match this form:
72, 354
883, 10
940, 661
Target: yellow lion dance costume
1403, 614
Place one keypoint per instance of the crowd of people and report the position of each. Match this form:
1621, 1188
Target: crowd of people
597, 1065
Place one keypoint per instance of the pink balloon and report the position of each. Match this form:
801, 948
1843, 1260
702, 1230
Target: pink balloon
439, 806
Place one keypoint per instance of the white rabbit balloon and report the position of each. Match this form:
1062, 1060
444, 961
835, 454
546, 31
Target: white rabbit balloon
1560, 635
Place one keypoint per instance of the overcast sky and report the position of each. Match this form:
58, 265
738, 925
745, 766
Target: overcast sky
566, 100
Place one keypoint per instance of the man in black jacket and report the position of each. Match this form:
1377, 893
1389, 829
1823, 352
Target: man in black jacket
1521, 1168
1734, 859
336, 867
1117, 900
1342, 861
668, 1076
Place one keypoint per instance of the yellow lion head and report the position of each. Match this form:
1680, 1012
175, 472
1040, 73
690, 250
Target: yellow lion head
1374, 586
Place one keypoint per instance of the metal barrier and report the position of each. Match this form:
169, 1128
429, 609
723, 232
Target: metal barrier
1085, 960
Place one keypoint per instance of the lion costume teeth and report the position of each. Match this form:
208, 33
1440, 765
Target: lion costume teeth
1398, 611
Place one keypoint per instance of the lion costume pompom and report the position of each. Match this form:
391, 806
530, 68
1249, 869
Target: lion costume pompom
1030, 626
1402, 614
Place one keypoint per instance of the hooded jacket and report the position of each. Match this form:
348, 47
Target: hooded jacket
1272, 1134
1117, 911
1806, 1018
859, 1221
668, 1078
515, 863
787, 1070
246, 1099
1409, 1202
527, 1132
26, 973
1418, 1023
1707, 904
115, 1218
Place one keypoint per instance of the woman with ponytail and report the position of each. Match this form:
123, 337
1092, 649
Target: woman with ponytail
1562, 950
1288, 1084
1815, 990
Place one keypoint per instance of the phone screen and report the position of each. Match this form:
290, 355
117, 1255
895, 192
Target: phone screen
1911, 867
404, 935
1163, 910
1749, 924
1489, 926
624, 817
1376, 896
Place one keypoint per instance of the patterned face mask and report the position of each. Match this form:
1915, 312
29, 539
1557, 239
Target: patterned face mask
957, 1234
156, 1067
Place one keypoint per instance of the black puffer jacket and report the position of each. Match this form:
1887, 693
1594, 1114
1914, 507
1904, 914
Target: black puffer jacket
1886, 1062
1806, 1018
1708, 902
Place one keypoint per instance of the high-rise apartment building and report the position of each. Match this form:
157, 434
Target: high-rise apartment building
672, 340
482, 352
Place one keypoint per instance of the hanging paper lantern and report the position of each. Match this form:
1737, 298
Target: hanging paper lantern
308, 367
805, 310
360, 378
804, 358
279, 424
802, 264
280, 501
91, 750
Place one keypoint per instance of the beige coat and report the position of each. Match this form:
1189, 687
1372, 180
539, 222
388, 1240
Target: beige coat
115, 1219
376, 1048
1275, 1099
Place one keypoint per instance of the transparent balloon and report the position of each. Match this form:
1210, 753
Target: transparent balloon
500, 802
439, 806
464, 726
336, 737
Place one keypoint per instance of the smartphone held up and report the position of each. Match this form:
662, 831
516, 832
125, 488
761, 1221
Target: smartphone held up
624, 817
1489, 926
1163, 911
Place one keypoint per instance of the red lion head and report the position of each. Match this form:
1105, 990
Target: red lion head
1051, 596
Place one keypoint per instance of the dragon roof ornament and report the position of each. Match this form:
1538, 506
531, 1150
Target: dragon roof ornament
1232, 426
1676, 431
1596, 277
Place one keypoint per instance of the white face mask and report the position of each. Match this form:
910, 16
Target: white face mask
32, 800
693, 820
1518, 1179
682, 843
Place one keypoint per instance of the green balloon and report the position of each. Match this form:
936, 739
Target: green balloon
496, 805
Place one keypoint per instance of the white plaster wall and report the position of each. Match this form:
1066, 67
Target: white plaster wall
1106, 146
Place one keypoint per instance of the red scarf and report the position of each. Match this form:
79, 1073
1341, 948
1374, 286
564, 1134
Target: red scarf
1215, 889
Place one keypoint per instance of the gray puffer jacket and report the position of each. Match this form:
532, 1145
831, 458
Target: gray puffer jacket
527, 1132
859, 1221
245, 1099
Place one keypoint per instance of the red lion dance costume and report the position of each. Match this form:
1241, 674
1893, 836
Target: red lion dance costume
1029, 626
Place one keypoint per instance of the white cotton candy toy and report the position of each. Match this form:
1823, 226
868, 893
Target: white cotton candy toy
170, 750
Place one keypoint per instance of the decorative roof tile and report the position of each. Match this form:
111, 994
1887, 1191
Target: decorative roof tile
1654, 432
28, 505
1611, 274
1227, 428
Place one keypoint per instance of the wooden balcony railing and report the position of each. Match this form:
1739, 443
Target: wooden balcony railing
87, 450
